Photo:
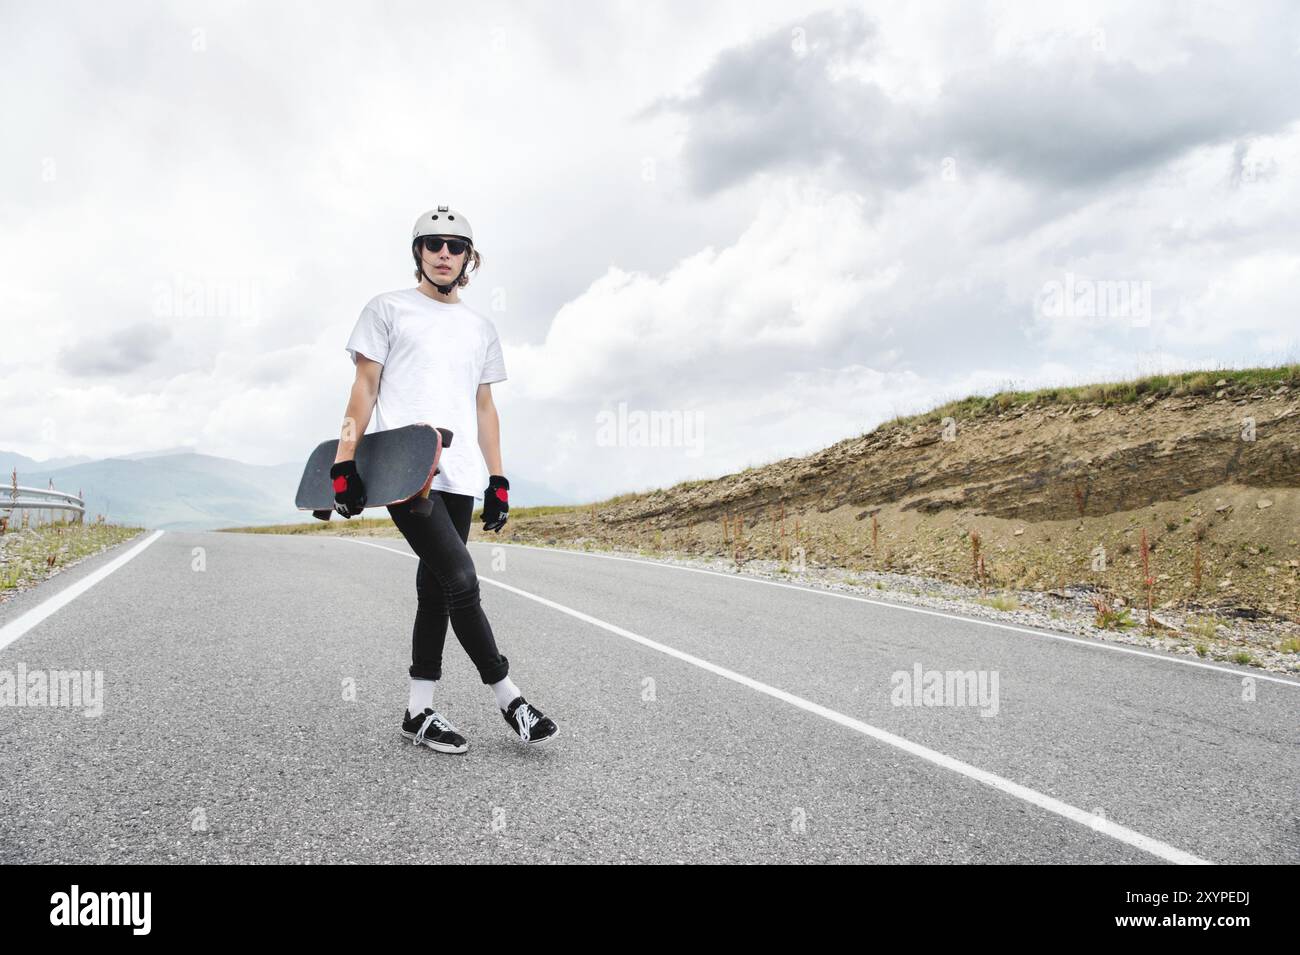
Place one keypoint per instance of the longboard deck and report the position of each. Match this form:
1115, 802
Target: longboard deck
394, 465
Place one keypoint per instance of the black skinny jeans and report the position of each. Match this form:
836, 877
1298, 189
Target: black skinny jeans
446, 585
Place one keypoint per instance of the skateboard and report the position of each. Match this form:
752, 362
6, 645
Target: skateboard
395, 466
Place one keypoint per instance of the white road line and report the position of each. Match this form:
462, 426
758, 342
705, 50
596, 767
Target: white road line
1097, 823
1093, 644
20, 625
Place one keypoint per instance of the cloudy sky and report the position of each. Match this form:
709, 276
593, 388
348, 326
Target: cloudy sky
772, 224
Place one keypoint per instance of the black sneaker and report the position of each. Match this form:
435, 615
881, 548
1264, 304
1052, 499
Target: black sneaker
433, 730
528, 721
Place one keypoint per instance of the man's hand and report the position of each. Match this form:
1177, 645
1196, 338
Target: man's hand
496, 503
349, 491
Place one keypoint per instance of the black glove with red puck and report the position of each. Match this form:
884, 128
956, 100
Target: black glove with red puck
496, 503
349, 491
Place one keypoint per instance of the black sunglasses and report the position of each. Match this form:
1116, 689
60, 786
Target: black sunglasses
434, 243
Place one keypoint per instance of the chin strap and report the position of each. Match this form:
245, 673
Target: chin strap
446, 289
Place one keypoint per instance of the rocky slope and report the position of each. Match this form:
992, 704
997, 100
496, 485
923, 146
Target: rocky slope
1035, 492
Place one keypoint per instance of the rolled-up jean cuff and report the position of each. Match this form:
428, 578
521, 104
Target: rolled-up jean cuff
497, 673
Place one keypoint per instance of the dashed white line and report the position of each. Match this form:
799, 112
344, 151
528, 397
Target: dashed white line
1097, 823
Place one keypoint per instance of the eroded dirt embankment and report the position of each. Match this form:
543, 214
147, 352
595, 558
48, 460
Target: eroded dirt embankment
1050, 495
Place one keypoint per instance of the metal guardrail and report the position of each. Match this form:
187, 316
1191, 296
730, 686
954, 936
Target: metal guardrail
40, 499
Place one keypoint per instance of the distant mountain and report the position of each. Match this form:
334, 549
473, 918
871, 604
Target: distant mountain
11, 459
188, 491
162, 453
179, 491
51, 463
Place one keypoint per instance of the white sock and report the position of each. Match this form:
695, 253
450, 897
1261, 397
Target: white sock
506, 692
421, 696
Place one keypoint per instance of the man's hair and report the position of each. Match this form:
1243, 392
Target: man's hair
472, 263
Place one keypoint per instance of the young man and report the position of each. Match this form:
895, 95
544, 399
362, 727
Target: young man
423, 355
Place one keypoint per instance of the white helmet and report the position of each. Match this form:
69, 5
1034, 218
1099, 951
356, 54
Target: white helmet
442, 221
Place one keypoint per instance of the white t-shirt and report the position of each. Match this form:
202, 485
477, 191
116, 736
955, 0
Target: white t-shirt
435, 356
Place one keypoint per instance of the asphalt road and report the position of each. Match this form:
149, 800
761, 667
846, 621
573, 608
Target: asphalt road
251, 711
